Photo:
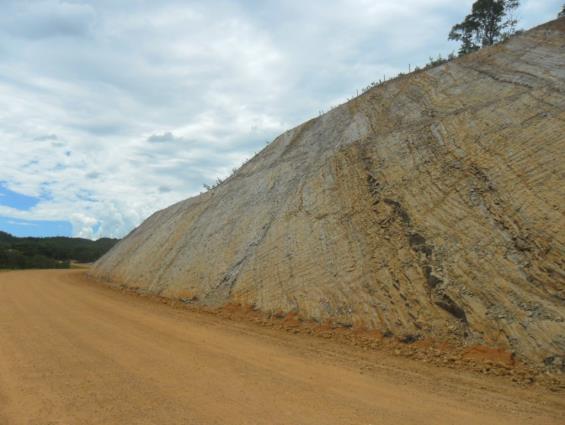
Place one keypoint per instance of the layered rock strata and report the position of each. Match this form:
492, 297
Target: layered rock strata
431, 205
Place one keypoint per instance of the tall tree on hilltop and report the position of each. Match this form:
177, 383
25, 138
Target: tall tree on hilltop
562, 13
490, 21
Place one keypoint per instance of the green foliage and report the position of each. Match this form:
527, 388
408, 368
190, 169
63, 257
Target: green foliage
435, 62
562, 13
56, 252
489, 22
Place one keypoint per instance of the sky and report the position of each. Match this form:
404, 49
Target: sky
111, 110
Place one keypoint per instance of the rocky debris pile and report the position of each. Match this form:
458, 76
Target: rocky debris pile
430, 206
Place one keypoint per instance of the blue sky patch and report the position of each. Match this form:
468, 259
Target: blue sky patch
16, 200
39, 228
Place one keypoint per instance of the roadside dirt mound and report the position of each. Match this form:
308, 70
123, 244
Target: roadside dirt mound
429, 207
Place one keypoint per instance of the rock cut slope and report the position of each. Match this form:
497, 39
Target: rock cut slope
431, 205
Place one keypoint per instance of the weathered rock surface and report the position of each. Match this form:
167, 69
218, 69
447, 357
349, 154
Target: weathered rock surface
430, 205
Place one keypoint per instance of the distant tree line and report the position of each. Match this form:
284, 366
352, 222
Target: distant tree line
49, 253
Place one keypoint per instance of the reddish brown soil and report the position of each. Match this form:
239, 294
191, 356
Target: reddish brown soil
76, 352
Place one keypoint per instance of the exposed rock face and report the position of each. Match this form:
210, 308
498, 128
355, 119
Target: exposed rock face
430, 205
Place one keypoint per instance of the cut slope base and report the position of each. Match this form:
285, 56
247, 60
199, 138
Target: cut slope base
431, 205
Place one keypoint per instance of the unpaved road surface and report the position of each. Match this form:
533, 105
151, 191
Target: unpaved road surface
76, 352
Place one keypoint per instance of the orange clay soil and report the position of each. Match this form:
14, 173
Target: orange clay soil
76, 352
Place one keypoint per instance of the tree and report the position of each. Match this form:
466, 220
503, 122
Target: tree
489, 22
562, 13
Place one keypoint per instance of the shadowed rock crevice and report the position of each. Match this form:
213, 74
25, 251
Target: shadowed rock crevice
425, 258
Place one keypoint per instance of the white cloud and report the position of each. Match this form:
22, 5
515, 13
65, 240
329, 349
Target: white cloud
111, 110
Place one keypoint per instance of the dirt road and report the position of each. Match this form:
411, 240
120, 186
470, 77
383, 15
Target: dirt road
75, 352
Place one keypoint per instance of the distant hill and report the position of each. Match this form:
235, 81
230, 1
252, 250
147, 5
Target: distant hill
53, 252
